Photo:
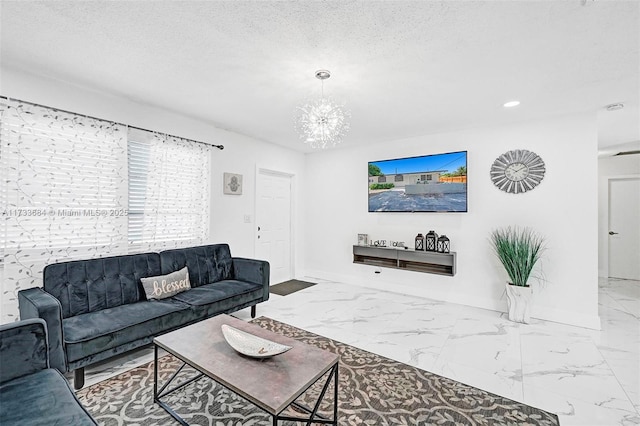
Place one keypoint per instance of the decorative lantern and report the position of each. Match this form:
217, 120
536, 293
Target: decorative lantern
431, 241
419, 242
444, 245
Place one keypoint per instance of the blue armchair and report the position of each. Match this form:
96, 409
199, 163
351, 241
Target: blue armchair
32, 393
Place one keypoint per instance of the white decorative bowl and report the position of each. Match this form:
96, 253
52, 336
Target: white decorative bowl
250, 345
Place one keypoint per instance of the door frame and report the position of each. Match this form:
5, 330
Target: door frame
292, 238
605, 231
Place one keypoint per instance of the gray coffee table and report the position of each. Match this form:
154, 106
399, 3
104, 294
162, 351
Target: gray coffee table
272, 384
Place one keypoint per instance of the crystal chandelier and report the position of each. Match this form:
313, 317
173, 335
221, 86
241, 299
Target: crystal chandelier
322, 123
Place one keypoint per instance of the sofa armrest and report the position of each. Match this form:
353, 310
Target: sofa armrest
252, 271
23, 348
37, 303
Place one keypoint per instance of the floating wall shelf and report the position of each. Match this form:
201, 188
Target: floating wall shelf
409, 259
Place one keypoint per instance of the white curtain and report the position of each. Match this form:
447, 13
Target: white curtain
63, 193
169, 191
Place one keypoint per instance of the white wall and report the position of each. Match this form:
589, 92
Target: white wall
241, 154
610, 167
563, 208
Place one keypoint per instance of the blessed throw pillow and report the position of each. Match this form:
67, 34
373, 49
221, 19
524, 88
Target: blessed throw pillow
168, 285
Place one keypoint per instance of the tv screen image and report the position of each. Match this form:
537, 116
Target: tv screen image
429, 183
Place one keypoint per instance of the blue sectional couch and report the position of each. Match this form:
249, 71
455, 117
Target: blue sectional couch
97, 308
32, 393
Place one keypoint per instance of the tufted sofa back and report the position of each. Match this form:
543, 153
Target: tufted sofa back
206, 264
91, 285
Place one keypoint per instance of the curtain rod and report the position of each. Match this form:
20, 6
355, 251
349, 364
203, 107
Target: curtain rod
220, 147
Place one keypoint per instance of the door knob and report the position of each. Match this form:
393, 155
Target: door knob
613, 233
258, 228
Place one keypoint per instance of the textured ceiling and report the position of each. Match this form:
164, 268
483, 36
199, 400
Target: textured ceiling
404, 68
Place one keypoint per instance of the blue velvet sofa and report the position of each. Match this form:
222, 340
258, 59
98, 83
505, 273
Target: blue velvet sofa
32, 393
97, 308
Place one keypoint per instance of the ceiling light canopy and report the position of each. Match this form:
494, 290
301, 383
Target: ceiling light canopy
322, 122
511, 104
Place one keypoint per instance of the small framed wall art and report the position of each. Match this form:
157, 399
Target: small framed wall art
232, 184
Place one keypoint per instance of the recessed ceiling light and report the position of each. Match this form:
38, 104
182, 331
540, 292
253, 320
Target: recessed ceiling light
614, 107
511, 104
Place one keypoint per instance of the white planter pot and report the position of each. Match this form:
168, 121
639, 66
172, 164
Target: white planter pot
519, 303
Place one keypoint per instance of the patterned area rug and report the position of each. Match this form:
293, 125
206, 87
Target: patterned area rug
373, 391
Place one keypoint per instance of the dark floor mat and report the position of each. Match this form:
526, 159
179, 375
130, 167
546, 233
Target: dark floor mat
289, 287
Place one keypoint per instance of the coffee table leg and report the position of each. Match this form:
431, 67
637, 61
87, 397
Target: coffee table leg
155, 373
158, 394
335, 395
316, 417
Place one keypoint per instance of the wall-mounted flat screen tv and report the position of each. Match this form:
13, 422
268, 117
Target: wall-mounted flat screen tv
429, 183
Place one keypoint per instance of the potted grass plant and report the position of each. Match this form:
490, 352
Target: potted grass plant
518, 249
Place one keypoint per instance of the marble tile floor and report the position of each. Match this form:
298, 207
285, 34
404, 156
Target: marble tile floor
587, 377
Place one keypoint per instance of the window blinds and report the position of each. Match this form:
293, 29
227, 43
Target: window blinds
62, 188
168, 191
75, 187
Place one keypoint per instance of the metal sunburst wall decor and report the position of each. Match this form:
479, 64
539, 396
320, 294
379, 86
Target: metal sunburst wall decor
517, 171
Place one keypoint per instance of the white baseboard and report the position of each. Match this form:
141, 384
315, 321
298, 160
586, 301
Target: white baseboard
547, 314
567, 317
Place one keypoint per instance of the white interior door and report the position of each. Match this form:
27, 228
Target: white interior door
273, 222
624, 228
